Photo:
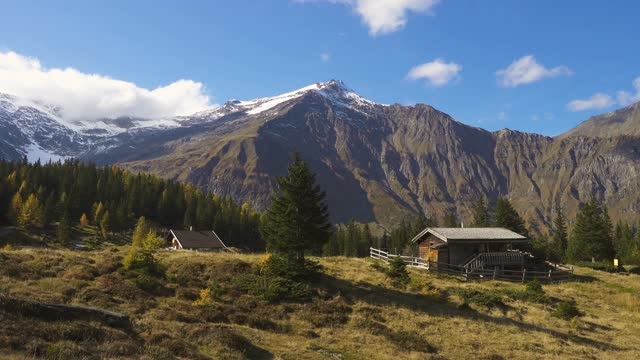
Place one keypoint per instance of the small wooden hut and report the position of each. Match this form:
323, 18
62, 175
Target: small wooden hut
472, 248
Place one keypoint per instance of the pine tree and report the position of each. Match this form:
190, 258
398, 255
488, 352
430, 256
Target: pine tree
507, 217
591, 235
560, 238
105, 225
98, 213
366, 241
141, 231
298, 219
84, 220
63, 233
31, 214
624, 242
152, 241
481, 217
606, 226
15, 209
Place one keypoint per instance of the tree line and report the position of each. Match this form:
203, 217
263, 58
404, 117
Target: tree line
64, 194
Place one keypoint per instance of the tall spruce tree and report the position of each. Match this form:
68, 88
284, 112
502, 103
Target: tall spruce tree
507, 217
481, 217
591, 235
31, 214
623, 242
63, 232
560, 240
298, 219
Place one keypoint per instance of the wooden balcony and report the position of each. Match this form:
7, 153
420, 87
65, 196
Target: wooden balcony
491, 260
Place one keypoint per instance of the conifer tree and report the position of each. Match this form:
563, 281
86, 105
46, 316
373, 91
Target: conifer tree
98, 212
481, 217
591, 235
152, 241
31, 213
105, 225
624, 242
141, 231
15, 209
298, 219
366, 240
84, 220
63, 232
507, 217
560, 238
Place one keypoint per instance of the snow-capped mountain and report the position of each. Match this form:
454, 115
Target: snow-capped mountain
39, 131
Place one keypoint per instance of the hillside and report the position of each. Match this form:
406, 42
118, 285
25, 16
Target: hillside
356, 313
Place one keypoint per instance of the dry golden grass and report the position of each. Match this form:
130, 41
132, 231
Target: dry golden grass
357, 314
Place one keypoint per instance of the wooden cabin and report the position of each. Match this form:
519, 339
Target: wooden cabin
472, 248
196, 240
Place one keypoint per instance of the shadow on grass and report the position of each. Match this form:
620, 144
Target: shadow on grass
437, 306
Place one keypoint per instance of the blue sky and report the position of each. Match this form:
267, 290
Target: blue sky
578, 50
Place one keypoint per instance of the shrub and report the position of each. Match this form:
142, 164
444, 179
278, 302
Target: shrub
204, 299
330, 313
272, 288
533, 293
297, 270
410, 340
486, 298
566, 310
377, 266
397, 272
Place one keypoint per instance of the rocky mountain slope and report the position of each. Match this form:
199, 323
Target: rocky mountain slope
378, 162
625, 121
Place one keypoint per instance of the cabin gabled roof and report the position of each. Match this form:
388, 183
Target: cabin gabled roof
198, 239
471, 234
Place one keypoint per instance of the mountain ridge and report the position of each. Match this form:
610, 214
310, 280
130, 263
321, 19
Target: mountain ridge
378, 162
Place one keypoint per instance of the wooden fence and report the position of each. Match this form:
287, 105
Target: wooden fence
554, 275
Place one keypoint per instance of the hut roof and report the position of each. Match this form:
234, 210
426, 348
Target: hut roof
471, 234
198, 239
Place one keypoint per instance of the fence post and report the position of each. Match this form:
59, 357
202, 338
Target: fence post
494, 273
549, 274
524, 273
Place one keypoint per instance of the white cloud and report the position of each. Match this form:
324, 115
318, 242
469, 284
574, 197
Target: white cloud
437, 72
502, 115
83, 96
547, 116
385, 16
597, 101
527, 70
325, 57
625, 98
601, 100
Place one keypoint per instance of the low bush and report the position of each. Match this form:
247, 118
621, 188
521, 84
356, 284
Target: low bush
566, 310
331, 313
272, 288
304, 270
533, 293
410, 340
398, 273
486, 298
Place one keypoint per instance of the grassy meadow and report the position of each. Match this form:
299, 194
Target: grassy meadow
355, 313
